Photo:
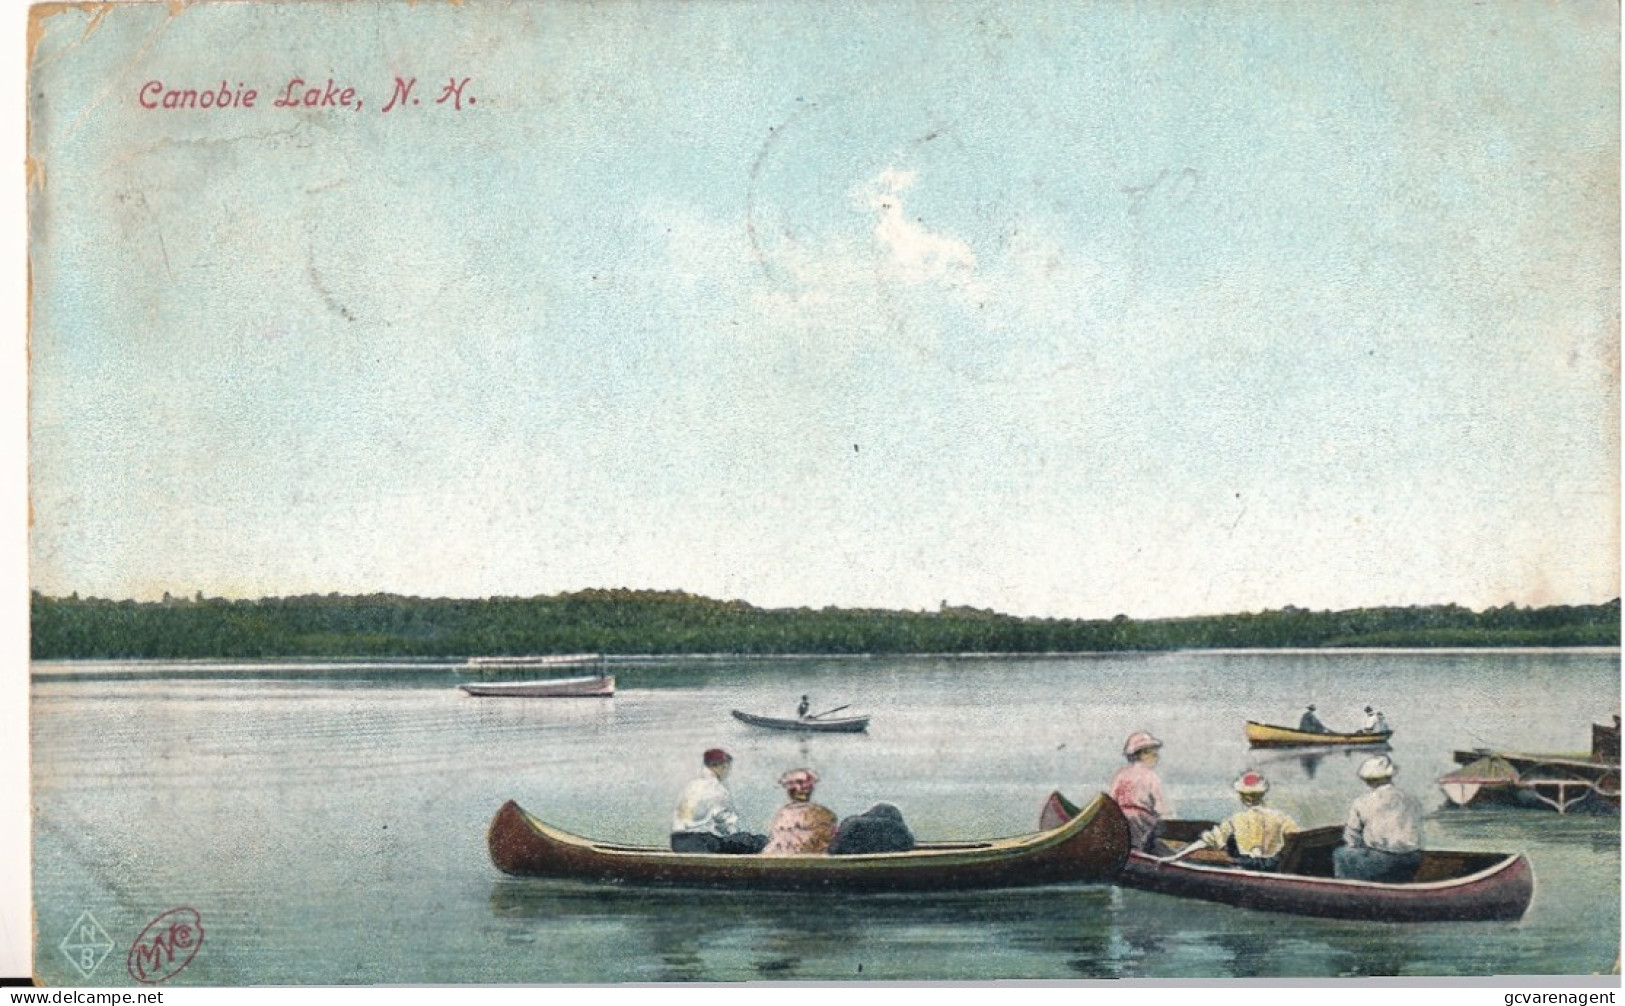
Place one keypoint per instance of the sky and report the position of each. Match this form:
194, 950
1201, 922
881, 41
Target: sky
1060, 309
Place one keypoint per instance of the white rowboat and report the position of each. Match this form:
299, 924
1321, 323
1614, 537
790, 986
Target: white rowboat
557, 688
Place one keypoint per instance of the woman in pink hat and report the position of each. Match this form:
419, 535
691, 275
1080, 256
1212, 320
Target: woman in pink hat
1137, 789
1253, 836
801, 827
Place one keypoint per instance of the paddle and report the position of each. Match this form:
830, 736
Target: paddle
1182, 853
826, 712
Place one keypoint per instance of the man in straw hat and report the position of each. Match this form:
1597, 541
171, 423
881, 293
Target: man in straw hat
705, 820
1137, 789
1382, 839
1253, 836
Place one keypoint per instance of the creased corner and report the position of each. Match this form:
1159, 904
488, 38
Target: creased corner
40, 13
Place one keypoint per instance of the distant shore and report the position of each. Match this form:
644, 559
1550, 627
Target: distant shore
632, 624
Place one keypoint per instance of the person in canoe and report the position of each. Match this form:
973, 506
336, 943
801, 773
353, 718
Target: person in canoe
705, 819
1382, 839
1309, 723
878, 829
1253, 836
1137, 789
1375, 722
801, 827
801, 710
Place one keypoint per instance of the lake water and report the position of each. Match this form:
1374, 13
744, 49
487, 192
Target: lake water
327, 822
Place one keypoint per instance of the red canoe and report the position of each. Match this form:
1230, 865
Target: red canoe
1449, 886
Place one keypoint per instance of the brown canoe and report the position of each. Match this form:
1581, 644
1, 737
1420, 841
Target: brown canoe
1449, 886
1092, 846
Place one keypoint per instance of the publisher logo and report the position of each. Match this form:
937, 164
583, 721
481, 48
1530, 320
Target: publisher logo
86, 944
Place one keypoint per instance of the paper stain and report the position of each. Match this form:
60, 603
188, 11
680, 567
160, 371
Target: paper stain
38, 15
98, 12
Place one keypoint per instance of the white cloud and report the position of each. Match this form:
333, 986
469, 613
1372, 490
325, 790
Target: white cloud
914, 254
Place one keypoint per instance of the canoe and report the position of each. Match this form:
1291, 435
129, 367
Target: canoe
835, 725
1091, 846
555, 688
1449, 886
1266, 735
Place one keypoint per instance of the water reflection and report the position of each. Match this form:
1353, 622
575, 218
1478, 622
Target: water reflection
694, 934
1250, 956
1145, 943
1373, 952
1310, 759
1516, 829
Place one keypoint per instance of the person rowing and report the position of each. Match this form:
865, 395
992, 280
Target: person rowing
1254, 836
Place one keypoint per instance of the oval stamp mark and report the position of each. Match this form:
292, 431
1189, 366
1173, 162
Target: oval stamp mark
166, 946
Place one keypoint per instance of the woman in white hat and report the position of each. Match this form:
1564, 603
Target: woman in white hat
1253, 836
1382, 839
1137, 789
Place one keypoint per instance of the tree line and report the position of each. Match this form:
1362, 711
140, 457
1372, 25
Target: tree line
672, 622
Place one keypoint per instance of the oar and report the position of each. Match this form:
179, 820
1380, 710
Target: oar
1182, 853
826, 712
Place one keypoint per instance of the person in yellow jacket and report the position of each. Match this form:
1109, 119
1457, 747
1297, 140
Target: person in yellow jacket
1253, 836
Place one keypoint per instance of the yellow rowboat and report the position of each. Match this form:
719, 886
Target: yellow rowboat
1266, 735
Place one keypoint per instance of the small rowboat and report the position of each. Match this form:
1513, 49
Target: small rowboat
1463, 786
1449, 886
555, 688
1091, 846
1266, 735
1559, 782
810, 724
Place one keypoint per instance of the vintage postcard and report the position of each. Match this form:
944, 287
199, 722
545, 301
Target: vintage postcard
575, 493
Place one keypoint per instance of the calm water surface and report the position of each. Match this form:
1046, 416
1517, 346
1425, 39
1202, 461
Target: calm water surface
327, 822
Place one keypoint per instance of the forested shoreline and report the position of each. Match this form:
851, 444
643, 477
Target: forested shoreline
669, 622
